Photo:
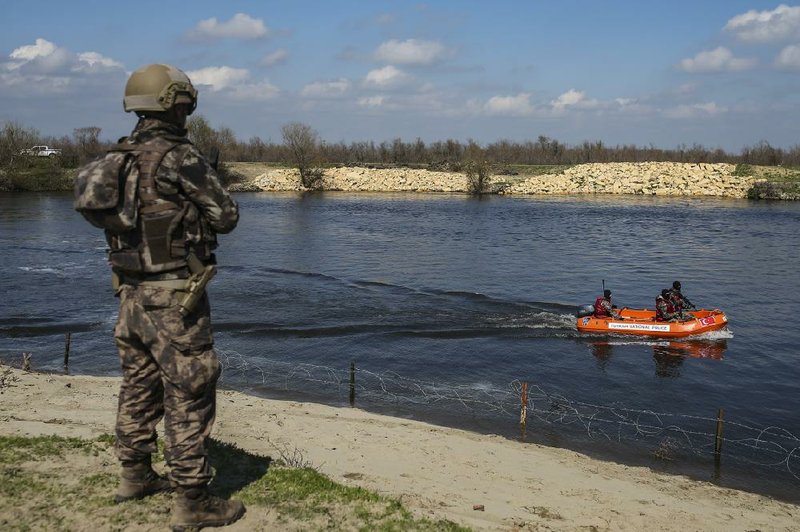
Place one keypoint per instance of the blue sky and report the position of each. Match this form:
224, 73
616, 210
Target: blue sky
722, 73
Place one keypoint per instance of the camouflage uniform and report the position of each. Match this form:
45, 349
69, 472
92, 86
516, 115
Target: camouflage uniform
663, 308
168, 363
680, 303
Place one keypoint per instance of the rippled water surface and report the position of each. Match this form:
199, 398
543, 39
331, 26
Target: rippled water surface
457, 295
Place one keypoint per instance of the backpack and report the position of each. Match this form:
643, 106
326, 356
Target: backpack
107, 189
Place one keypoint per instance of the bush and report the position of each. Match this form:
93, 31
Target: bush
477, 172
36, 175
771, 190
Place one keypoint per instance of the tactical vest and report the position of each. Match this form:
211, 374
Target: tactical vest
663, 304
158, 243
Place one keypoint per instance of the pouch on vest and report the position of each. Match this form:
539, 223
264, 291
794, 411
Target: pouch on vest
159, 232
106, 192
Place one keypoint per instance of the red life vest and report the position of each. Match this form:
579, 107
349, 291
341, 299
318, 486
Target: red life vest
599, 310
659, 313
670, 308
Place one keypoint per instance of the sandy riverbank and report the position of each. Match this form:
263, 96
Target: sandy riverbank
437, 472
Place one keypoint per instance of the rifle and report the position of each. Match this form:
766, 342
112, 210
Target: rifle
213, 157
197, 287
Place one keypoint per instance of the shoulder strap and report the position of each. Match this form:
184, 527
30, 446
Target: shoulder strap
149, 156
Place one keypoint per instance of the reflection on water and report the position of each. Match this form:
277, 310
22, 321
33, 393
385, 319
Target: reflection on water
668, 355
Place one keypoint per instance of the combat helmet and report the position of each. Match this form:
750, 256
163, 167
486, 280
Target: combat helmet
158, 87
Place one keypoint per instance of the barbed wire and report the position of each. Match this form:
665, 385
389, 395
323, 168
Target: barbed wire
773, 447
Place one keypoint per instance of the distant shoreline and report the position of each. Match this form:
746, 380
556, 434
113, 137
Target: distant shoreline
644, 178
648, 178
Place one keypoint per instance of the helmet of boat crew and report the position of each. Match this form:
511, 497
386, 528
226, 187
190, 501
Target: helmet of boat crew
676, 285
606, 293
665, 293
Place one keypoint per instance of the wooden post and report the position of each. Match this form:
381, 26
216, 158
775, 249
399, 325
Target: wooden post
523, 411
66, 350
352, 383
26, 361
718, 436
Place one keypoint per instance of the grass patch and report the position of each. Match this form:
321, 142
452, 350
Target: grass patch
743, 170
16, 449
55, 483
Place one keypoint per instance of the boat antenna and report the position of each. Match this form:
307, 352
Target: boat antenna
604, 286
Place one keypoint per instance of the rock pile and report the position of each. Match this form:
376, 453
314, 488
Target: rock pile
656, 179
358, 179
659, 179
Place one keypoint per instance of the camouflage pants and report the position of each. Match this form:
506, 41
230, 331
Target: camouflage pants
169, 371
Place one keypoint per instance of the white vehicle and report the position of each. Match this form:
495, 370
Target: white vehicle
41, 151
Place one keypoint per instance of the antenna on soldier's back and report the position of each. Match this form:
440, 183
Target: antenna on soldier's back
604, 286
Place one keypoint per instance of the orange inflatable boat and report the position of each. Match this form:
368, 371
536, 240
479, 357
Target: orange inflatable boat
643, 322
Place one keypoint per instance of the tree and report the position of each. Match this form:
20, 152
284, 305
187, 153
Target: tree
303, 144
87, 141
201, 133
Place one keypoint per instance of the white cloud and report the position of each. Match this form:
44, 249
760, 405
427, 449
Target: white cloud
716, 60
388, 76
95, 61
233, 82
326, 89
240, 26
695, 110
411, 52
274, 58
45, 68
789, 57
574, 98
42, 57
519, 105
219, 78
781, 23
42, 48
371, 101
259, 91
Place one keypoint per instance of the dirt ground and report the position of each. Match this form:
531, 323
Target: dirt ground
484, 482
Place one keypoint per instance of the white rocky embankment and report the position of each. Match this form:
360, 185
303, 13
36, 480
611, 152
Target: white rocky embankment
659, 179
656, 179
359, 179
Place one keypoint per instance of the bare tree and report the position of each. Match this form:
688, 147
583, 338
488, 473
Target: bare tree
303, 144
201, 133
87, 140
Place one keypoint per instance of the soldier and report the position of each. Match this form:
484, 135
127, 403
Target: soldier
680, 301
169, 367
665, 310
603, 307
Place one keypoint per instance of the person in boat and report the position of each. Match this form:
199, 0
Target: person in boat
665, 308
681, 302
603, 307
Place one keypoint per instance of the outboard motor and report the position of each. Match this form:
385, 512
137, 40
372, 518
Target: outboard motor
585, 310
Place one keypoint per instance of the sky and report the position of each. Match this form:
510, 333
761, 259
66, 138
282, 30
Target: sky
722, 73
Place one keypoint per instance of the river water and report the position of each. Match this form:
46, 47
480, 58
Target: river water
446, 304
